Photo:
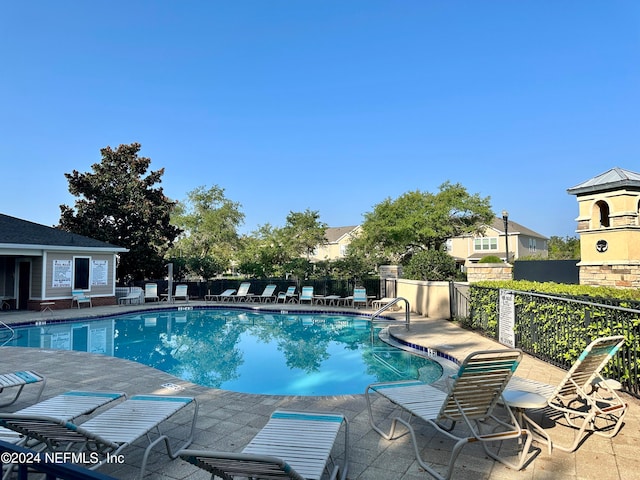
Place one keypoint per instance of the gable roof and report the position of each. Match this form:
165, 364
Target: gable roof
334, 234
609, 180
514, 227
15, 232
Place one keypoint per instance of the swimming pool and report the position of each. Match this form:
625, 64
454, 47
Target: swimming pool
243, 350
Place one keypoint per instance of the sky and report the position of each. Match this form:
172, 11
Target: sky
327, 105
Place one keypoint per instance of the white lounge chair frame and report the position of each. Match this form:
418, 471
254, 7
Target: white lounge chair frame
227, 294
19, 380
135, 296
584, 399
67, 406
110, 432
359, 297
268, 294
181, 293
80, 297
243, 292
306, 295
472, 396
292, 445
151, 292
381, 302
287, 297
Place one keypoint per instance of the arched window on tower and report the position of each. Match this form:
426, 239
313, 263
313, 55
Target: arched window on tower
601, 214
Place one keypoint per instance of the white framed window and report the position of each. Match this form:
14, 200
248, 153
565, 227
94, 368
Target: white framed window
483, 244
532, 245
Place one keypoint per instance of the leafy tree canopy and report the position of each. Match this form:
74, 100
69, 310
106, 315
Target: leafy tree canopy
304, 231
417, 221
567, 248
209, 222
273, 251
120, 204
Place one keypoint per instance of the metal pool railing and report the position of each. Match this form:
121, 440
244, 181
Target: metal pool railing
407, 310
6, 329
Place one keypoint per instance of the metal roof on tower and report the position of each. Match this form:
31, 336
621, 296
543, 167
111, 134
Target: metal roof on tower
610, 180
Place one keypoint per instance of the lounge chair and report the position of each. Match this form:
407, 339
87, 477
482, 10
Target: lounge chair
19, 380
109, 432
306, 295
226, 295
472, 397
359, 297
584, 399
381, 302
267, 295
181, 292
287, 297
67, 406
79, 297
243, 292
151, 292
295, 445
134, 297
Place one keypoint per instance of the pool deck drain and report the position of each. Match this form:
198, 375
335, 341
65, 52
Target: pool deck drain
228, 420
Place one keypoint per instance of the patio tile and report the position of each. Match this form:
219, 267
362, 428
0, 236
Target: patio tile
228, 420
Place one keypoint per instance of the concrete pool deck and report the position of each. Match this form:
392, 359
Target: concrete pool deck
228, 420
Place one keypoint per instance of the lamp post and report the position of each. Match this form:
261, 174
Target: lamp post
505, 219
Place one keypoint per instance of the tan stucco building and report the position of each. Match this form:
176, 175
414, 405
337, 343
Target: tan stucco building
337, 241
523, 242
609, 229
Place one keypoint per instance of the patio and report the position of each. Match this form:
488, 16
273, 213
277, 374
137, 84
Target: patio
228, 420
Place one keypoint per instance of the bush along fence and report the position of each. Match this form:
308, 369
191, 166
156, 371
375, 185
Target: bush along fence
557, 328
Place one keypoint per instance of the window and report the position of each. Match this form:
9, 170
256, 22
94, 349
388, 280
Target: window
602, 211
81, 273
532, 245
485, 243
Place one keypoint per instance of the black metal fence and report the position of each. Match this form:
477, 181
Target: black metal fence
558, 271
556, 329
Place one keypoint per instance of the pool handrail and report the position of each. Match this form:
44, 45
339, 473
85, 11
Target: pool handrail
407, 309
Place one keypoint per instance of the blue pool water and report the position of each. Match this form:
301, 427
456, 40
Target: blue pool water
244, 350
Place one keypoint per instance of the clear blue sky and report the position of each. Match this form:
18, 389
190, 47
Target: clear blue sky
331, 105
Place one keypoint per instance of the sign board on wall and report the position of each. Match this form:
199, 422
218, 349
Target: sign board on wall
99, 272
506, 320
61, 274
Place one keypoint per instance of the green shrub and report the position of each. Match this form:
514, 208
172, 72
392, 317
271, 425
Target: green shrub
559, 328
490, 259
432, 265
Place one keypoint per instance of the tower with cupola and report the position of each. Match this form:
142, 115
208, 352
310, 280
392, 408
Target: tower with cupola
609, 229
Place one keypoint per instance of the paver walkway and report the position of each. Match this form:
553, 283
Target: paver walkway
228, 420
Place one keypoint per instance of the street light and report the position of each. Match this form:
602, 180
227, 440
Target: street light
505, 219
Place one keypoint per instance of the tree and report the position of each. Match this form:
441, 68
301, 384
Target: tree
304, 232
273, 251
209, 222
119, 204
432, 265
416, 221
262, 254
567, 248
